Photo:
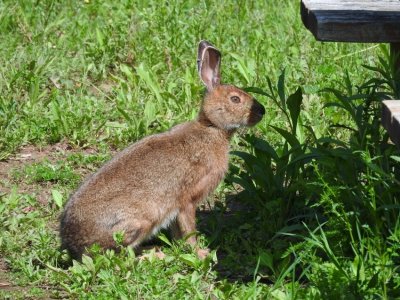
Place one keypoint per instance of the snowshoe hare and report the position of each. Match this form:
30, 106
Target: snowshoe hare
158, 181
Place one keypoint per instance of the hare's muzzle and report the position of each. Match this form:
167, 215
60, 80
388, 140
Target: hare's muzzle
257, 111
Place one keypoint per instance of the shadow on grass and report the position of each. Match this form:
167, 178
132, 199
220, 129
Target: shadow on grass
235, 231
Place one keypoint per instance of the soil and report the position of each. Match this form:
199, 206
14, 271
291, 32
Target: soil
4, 284
30, 154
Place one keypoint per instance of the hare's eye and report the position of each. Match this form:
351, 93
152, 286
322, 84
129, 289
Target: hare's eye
235, 99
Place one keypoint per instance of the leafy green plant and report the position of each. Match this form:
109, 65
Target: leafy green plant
389, 75
353, 186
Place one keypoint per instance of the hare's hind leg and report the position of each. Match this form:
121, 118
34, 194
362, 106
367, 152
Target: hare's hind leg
136, 234
185, 223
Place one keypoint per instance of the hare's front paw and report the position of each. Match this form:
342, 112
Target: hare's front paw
155, 253
203, 253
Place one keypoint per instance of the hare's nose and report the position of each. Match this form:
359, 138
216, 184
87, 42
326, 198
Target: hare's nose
258, 108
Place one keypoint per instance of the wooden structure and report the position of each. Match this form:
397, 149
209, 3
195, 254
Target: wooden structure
391, 119
359, 21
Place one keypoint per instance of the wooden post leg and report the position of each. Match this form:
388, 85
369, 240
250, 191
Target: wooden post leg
391, 119
395, 52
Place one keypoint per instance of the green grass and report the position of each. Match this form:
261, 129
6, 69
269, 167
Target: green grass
47, 172
310, 207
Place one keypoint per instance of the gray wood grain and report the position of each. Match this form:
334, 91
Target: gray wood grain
352, 21
391, 119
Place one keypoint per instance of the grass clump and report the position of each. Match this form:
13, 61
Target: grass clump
47, 172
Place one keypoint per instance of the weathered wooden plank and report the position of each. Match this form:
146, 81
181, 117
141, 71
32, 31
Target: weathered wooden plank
352, 21
391, 119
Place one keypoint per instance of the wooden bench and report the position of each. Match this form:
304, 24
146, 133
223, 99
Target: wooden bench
359, 21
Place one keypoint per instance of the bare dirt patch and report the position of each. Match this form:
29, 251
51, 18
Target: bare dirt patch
4, 283
30, 154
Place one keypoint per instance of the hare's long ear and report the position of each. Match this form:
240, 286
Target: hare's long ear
208, 65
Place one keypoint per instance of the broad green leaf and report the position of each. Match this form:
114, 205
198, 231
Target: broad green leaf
100, 38
395, 158
257, 90
244, 67
87, 261
190, 260
127, 71
281, 89
290, 138
165, 239
266, 259
248, 158
124, 114
147, 77
265, 147
293, 103
149, 112
57, 198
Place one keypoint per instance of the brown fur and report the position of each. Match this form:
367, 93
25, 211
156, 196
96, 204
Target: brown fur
159, 180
